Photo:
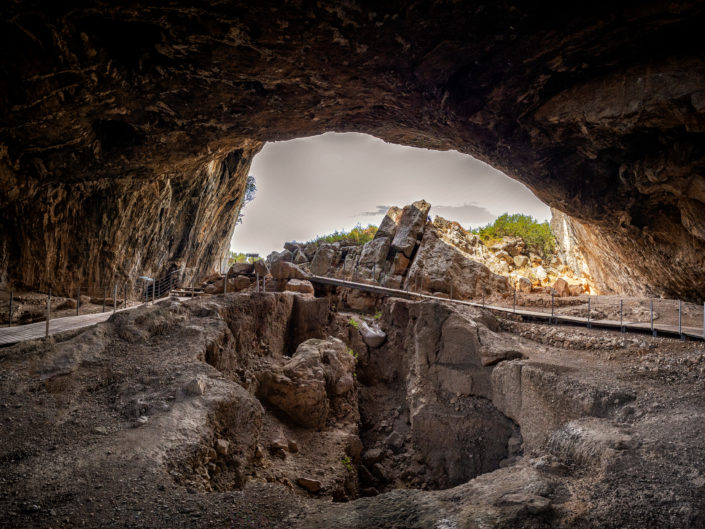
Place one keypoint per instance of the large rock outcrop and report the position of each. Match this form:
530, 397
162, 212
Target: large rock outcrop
128, 129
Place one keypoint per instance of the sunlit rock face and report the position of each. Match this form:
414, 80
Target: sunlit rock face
116, 120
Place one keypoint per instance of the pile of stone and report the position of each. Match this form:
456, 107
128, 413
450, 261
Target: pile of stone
407, 252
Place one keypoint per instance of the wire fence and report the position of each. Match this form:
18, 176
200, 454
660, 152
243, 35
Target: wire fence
26, 305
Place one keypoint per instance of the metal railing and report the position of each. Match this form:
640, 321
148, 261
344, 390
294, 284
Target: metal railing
35, 305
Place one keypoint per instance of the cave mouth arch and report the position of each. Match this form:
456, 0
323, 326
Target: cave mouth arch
598, 109
316, 185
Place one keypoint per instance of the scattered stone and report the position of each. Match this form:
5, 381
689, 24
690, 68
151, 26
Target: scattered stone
293, 447
561, 288
196, 387
311, 485
373, 336
101, 430
222, 446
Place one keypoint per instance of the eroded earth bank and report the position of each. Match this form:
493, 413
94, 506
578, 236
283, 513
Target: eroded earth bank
288, 410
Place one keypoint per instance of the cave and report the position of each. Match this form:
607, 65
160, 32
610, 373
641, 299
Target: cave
128, 130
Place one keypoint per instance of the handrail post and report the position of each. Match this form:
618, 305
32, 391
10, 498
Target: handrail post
10, 318
553, 311
105, 295
703, 320
680, 320
154, 290
225, 282
589, 323
515, 299
114, 298
451, 291
621, 315
257, 280
124, 298
653, 332
48, 312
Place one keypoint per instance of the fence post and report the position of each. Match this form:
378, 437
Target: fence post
78, 300
483, 299
48, 312
10, 318
703, 320
589, 324
680, 320
553, 312
621, 315
515, 299
225, 283
124, 298
451, 291
653, 332
105, 295
154, 290
264, 284
257, 280
114, 298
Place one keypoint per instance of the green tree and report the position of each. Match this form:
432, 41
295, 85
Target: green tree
537, 235
357, 236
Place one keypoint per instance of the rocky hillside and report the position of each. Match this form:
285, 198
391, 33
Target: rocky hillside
410, 251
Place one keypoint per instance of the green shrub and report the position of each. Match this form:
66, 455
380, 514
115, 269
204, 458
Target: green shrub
378, 314
353, 322
357, 236
347, 463
537, 235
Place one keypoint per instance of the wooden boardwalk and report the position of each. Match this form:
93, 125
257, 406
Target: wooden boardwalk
690, 332
32, 331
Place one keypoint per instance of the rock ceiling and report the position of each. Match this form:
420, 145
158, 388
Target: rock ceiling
127, 131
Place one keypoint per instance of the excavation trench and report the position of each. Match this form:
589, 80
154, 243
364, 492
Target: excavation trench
326, 414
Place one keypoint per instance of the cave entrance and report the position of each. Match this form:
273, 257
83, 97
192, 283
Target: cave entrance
317, 185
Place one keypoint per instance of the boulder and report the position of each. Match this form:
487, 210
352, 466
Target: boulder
311, 485
284, 256
374, 254
503, 255
286, 270
241, 268
561, 288
523, 284
439, 266
303, 388
261, 267
292, 246
299, 285
401, 263
520, 261
373, 336
238, 283
211, 289
300, 258
323, 259
410, 227
388, 226
575, 290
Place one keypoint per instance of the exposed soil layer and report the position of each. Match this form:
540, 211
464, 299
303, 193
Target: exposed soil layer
190, 414
134, 151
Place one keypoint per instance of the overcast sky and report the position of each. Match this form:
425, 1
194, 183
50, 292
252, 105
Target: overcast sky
313, 186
